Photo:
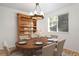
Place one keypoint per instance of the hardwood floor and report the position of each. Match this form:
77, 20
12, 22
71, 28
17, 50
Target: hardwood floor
2, 53
69, 52
66, 52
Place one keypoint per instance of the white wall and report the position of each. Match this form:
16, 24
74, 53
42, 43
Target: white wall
72, 37
8, 26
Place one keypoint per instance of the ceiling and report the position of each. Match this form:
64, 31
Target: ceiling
28, 7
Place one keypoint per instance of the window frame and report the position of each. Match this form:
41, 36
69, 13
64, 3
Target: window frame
57, 24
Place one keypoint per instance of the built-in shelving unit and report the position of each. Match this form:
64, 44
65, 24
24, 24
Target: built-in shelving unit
26, 25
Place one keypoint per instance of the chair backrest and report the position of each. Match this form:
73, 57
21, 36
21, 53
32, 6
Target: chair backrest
6, 48
60, 46
48, 50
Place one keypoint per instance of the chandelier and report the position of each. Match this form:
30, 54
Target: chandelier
37, 13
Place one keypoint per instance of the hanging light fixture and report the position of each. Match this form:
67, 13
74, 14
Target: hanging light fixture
37, 13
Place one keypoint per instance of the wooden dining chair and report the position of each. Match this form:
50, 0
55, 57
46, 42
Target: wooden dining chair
59, 48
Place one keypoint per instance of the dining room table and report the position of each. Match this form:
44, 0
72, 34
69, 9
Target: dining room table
30, 47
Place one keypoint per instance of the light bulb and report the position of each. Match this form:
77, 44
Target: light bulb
35, 12
41, 13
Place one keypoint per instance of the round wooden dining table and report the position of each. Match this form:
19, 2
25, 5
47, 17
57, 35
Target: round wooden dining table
29, 48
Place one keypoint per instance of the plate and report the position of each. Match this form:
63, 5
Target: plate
38, 43
22, 42
49, 42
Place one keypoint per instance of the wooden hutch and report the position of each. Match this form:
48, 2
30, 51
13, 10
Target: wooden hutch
27, 25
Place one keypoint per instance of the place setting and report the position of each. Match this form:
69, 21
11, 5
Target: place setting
22, 42
40, 44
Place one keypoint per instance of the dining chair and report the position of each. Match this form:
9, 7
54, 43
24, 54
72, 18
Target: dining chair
6, 48
59, 48
47, 50
10, 51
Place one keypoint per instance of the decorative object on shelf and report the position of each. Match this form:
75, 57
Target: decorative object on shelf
37, 13
24, 38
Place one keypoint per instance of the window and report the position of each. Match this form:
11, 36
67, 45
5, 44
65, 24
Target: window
58, 23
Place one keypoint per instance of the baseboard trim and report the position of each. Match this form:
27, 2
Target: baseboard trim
71, 52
